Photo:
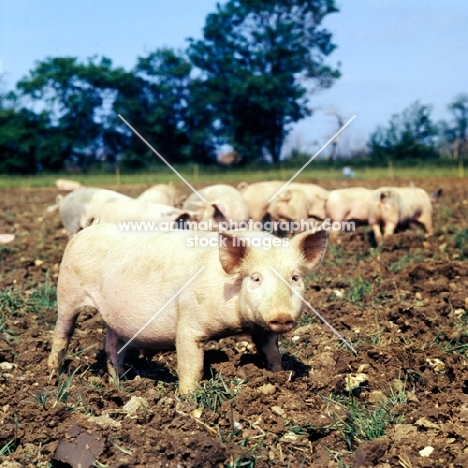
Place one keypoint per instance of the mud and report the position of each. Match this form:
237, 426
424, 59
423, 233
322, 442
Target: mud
401, 402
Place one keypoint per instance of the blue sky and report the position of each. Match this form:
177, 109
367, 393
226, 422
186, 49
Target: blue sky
392, 52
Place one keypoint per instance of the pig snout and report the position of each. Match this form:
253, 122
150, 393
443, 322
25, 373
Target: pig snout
281, 323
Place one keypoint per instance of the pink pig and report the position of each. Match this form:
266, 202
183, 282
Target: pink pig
160, 291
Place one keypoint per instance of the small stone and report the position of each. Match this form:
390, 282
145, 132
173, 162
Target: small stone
376, 397
241, 346
196, 413
6, 238
267, 389
278, 411
353, 381
362, 368
290, 437
436, 364
135, 404
10, 464
426, 451
418, 296
403, 431
105, 421
304, 329
166, 401
412, 397
6, 366
423, 422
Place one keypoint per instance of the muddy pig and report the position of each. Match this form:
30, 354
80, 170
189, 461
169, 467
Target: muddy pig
164, 290
390, 207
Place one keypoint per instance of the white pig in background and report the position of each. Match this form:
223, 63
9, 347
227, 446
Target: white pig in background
153, 289
72, 208
79, 206
390, 207
224, 203
66, 185
113, 207
164, 194
317, 197
290, 206
348, 204
258, 194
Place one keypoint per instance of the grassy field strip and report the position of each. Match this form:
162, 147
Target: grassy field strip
215, 175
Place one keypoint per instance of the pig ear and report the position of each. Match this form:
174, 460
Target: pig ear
231, 252
435, 196
241, 186
219, 211
92, 220
384, 194
185, 216
312, 245
285, 195
180, 219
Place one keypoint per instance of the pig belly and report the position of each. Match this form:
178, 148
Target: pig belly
153, 329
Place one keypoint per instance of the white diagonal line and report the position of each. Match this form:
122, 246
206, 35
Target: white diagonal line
162, 159
161, 309
315, 312
313, 157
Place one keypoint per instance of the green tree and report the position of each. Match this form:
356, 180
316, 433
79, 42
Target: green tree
454, 134
257, 62
154, 98
21, 133
73, 95
410, 134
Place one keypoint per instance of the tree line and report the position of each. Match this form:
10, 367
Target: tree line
413, 134
243, 84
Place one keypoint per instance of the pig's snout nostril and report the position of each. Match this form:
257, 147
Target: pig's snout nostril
276, 323
281, 325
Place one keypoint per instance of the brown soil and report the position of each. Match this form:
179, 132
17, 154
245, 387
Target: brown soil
404, 308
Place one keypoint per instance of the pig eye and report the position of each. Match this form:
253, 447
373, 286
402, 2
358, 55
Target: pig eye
295, 278
256, 278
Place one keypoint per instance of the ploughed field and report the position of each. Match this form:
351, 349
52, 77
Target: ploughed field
401, 402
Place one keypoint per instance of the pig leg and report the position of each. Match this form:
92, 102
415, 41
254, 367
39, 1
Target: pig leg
190, 355
426, 220
333, 235
377, 234
61, 339
389, 229
115, 360
267, 345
